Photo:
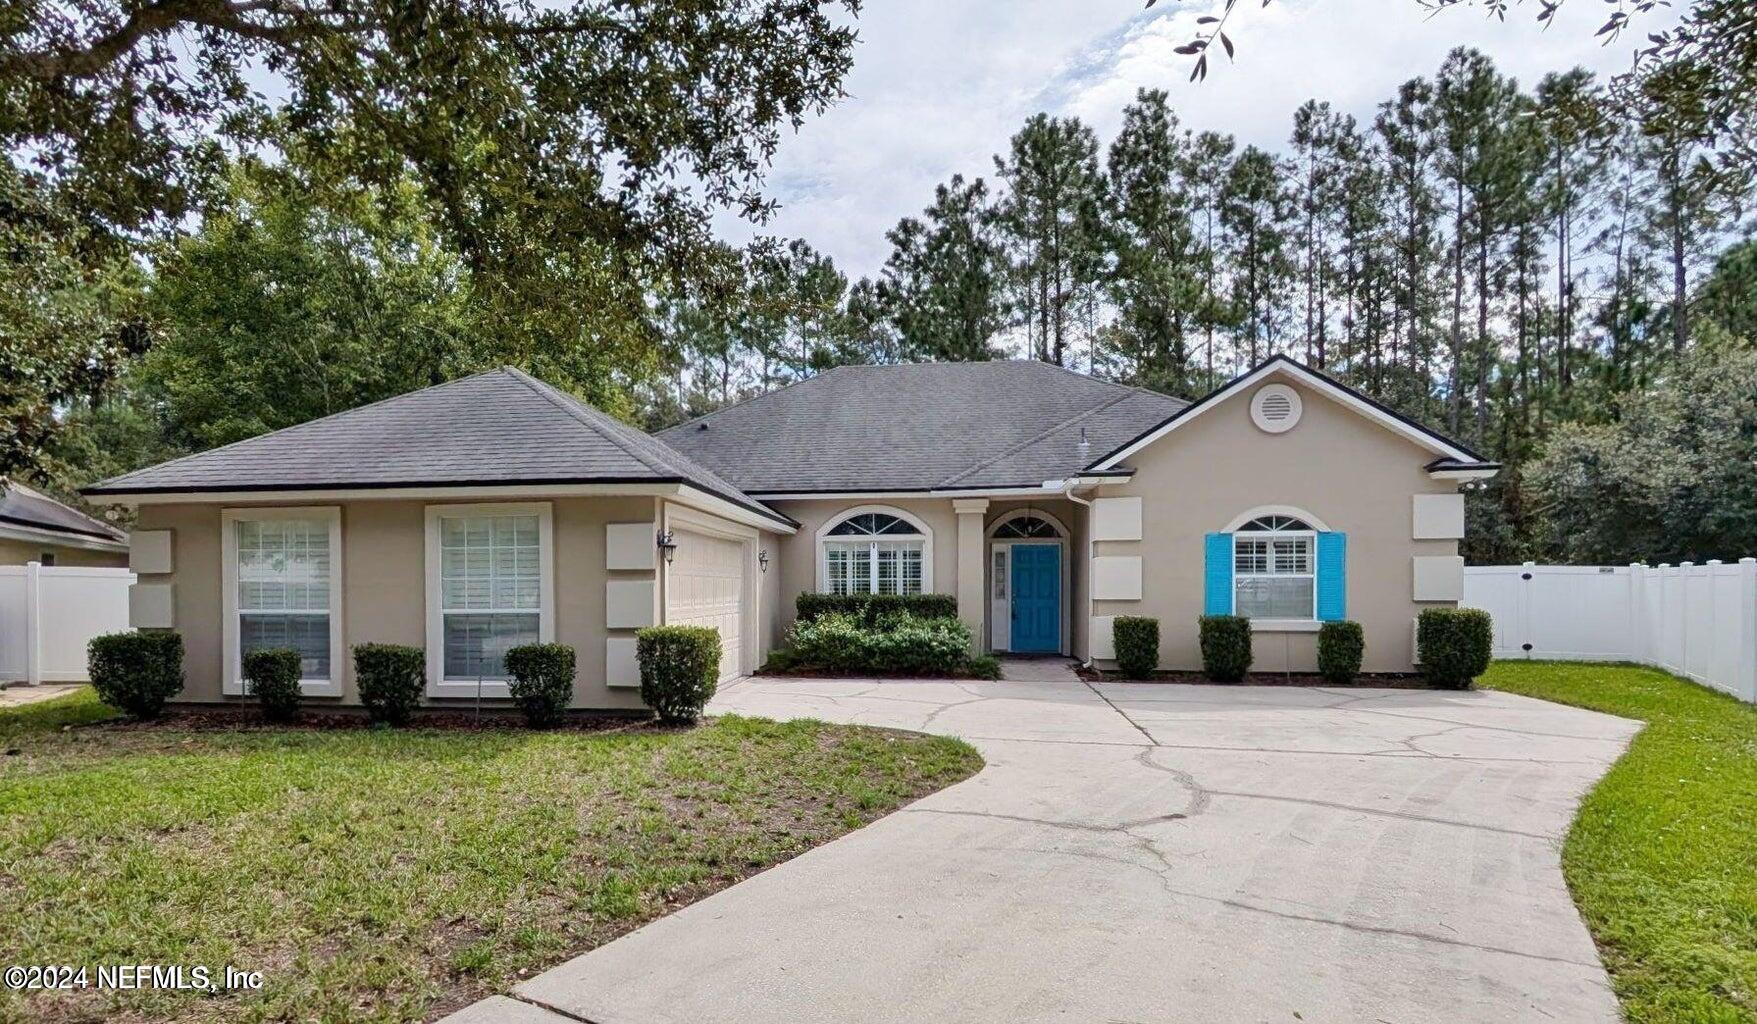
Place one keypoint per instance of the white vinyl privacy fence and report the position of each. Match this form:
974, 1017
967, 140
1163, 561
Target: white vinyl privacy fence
48, 614
1698, 621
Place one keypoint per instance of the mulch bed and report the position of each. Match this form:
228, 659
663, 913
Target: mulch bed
1365, 681
824, 673
226, 718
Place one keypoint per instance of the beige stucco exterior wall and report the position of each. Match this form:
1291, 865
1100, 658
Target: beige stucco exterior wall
20, 552
384, 586
1353, 474
798, 573
772, 604
798, 552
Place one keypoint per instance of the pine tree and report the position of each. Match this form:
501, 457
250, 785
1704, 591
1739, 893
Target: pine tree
1405, 128
1570, 107
1155, 284
1685, 201
1206, 171
943, 282
1318, 142
1256, 209
1050, 219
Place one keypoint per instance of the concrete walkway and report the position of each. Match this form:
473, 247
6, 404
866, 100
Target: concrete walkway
18, 696
1150, 852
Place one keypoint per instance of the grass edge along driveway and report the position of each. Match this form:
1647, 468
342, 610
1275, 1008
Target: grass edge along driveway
1662, 855
394, 875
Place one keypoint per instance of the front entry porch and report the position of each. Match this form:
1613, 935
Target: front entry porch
1028, 575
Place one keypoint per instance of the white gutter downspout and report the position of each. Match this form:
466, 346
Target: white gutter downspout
1068, 493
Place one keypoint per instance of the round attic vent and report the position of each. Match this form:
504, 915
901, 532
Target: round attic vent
1275, 408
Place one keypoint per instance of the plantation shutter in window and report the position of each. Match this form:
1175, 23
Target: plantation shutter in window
1332, 576
1217, 574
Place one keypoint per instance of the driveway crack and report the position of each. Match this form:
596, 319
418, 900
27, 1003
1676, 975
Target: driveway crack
548, 1008
1382, 813
1125, 715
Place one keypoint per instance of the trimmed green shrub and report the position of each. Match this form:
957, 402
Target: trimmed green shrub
391, 678
679, 667
272, 676
983, 666
781, 659
136, 672
898, 642
1453, 645
869, 608
1226, 647
1137, 645
907, 644
542, 682
833, 640
1340, 648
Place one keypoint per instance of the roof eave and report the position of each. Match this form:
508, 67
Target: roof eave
436, 490
1435, 442
1456, 469
13, 530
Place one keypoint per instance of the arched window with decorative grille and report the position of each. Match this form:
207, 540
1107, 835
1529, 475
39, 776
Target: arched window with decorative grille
875, 551
1273, 568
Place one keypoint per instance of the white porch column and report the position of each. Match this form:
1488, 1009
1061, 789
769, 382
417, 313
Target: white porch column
972, 594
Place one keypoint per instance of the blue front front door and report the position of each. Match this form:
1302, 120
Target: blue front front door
1037, 598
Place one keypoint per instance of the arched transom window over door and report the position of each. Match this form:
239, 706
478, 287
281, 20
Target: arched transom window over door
874, 553
1026, 527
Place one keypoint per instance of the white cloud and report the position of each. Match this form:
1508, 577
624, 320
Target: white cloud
940, 85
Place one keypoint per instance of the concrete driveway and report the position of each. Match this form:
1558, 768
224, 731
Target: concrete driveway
1150, 852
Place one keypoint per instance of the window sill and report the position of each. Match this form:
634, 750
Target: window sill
468, 688
307, 688
1285, 625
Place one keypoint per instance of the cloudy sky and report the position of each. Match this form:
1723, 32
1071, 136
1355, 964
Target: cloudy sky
940, 85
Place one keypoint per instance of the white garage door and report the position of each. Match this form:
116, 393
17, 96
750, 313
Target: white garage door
705, 587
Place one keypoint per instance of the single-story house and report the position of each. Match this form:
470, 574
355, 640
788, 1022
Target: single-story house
496, 510
36, 528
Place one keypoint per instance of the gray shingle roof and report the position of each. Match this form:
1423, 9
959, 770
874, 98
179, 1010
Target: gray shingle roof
495, 428
22, 506
919, 426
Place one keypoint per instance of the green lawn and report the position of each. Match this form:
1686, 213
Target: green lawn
391, 875
1662, 858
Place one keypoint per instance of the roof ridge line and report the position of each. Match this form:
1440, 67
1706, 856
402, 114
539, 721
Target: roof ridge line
1033, 439
754, 398
1103, 380
549, 394
297, 426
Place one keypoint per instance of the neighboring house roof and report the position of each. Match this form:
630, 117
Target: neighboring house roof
1454, 458
31, 513
919, 427
498, 428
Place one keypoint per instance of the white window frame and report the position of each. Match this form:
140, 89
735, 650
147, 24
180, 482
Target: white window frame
1236, 532
922, 534
232, 680
437, 684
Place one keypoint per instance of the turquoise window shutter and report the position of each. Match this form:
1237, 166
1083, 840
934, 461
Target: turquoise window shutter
1217, 575
1332, 576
